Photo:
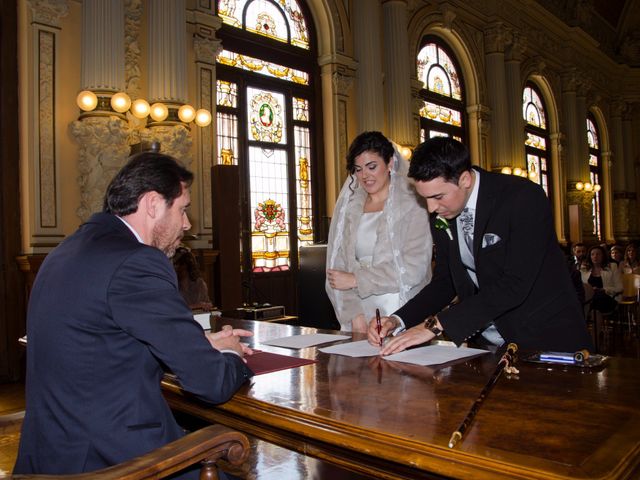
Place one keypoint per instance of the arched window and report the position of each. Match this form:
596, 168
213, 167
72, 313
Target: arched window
266, 79
595, 173
442, 92
537, 136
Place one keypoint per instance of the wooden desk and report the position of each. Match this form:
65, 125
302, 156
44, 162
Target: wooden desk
394, 420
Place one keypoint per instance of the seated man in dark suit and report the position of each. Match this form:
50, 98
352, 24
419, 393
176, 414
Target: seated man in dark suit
105, 319
497, 252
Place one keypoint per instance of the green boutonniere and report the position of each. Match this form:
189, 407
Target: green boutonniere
443, 224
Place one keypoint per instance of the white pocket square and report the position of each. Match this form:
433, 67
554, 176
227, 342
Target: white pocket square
489, 239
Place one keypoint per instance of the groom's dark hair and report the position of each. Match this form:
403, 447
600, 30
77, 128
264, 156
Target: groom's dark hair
439, 157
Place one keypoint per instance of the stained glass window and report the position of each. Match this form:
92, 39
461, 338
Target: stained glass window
266, 127
536, 136
266, 116
245, 62
442, 92
595, 174
280, 20
270, 204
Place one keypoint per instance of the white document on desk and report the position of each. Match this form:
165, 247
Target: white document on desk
204, 319
360, 348
304, 341
434, 354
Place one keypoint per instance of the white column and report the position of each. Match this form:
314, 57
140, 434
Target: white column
167, 51
495, 39
514, 94
367, 40
102, 45
620, 202
397, 65
570, 151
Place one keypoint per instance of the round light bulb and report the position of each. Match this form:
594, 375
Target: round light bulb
159, 112
405, 152
203, 117
588, 187
517, 171
533, 175
140, 108
524, 174
506, 170
579, 185
597, 187
87, 100
120, 102
186, 113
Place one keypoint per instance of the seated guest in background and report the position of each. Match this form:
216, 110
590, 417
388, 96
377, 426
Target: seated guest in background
603, 277
616, 254
497, 252
105, 317
630, 263
379, 249
190, 282
579, 251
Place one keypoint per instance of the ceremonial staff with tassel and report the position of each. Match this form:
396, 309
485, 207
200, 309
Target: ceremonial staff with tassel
506, 364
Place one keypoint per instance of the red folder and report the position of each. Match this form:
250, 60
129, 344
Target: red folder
265, 362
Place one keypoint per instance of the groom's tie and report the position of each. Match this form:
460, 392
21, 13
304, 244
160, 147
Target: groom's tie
466, 220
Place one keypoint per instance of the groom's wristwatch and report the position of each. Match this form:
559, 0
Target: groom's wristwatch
431, 325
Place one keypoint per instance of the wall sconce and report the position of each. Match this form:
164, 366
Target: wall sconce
519, 172
587, 187
121, 103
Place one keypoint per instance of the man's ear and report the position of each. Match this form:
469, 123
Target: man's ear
151, 203
464, 180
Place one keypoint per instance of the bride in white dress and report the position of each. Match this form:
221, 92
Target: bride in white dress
380, 245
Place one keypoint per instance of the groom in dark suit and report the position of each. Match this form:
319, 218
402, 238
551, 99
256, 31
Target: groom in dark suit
497, 252
106, 319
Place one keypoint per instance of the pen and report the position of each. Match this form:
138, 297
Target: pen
378, 324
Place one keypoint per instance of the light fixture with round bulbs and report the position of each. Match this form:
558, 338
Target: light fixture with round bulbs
203, 117
186, 113
87, 100
597, 187
159, 112
579, 185
120, 102
506, 170
588, 187
140, 108
517, 171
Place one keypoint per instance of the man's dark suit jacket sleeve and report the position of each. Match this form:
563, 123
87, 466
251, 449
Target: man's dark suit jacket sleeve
145, 302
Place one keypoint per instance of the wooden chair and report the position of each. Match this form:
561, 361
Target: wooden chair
629, 302
207, 446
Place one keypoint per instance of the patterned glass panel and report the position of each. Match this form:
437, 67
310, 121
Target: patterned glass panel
592, 135
268, 69
593, 160
279, 19
266, 114
227, 139
227, 94
441, 113
269, 204
303, 186
300, 109
536, 141
537, 171
437, 72
595, 205
532, 109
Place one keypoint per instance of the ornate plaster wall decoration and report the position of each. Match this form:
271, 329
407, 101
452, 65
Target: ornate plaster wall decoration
103, 149
175, 140
132, 18
49, 12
